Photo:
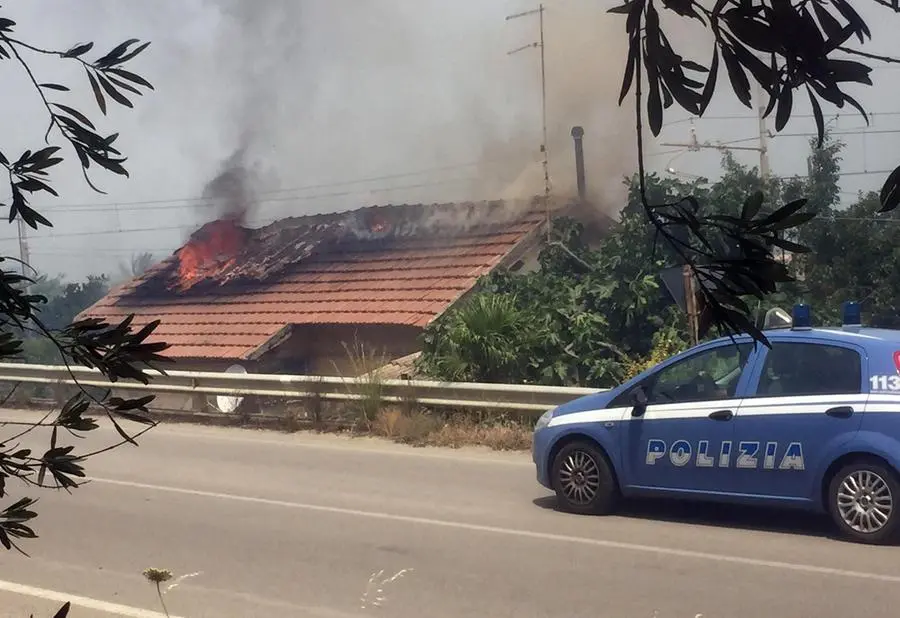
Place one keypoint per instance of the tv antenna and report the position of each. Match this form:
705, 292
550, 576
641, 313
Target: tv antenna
539, 44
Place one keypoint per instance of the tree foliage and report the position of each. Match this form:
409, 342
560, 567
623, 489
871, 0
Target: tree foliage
116, 350
595, 315
789, 49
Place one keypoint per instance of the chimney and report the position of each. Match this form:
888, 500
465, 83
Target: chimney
577, 135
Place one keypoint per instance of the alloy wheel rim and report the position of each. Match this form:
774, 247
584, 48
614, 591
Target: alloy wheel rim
579, 477
864, 501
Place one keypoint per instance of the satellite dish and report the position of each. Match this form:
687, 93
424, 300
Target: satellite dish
777, 318
228, 404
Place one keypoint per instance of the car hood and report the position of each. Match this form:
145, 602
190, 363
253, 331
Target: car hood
596, 401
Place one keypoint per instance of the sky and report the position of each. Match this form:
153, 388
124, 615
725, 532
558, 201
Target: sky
338, 104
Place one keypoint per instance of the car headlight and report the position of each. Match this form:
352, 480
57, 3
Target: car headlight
544, 420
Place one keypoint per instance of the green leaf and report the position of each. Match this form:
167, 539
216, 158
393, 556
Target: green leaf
634, 52
832, 28
6, 24
75, 114
654, 99
857, 106
114, 94
785, 104
101, 102
133, 53
58, 87
739, 82
792, 221
787, 245
116, 52
785, 211
33, 185
690, 64
855, 21
890, 192
849, 71
817, 115
709, 88
132, 77
752, 205
751, 31
78, 50
622, 9
122, 84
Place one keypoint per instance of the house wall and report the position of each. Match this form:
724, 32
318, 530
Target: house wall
346, 350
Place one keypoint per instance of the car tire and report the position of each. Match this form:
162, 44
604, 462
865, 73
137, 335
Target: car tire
583, 480
863, 500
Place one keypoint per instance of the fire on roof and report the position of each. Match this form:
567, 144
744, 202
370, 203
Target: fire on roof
224, 251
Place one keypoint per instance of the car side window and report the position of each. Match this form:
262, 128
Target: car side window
709, 375
795, 369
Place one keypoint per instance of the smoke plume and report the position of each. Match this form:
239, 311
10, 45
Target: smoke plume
419, 96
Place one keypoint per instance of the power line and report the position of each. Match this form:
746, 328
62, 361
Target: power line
282, 191
864, 173
183, 226
182, 204
753, 117
846, 132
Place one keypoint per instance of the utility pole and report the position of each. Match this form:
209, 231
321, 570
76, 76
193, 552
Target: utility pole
764, 173
540, 44
762, 149
763, 138
23, 244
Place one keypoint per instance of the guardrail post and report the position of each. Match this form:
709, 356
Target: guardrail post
198, 401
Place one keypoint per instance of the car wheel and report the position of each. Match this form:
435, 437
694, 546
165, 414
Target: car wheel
863, 502
583, 480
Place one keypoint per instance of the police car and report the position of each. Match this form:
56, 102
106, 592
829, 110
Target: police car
811, 423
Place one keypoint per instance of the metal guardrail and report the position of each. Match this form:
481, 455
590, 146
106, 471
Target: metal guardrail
506, 397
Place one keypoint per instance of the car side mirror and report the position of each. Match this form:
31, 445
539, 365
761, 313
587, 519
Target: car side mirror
639, 398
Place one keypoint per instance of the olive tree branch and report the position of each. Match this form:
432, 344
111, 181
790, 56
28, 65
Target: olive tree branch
48, 52
856, 52
54, 119
35, 83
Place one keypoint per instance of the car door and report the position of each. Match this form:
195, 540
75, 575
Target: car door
681, 440
807, 397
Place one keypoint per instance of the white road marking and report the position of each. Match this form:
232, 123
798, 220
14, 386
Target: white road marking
530, 534
115, 609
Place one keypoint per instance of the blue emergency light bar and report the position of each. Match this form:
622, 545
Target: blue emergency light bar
801, 317
852, 315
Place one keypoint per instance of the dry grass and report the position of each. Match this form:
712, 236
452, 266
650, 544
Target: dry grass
366, 365
423, 428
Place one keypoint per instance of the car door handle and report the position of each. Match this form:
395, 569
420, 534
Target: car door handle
722, 415
840, 412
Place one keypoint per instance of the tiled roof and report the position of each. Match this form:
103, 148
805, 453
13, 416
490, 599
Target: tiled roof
398, 265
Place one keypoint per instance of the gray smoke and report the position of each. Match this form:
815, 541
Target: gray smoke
318, 93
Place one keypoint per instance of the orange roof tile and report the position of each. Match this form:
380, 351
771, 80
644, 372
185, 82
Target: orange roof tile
326, 269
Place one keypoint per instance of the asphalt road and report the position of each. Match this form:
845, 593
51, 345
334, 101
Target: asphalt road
296, 525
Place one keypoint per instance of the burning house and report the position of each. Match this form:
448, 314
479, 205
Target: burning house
288, 297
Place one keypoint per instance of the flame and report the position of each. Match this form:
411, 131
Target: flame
379, 225
211, 250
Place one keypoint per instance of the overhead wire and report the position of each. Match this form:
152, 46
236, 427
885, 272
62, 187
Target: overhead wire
209, 201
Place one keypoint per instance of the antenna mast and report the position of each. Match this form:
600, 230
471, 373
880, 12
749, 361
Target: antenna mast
544, 150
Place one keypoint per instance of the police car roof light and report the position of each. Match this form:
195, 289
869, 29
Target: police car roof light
801, 317
776, 318
852, 315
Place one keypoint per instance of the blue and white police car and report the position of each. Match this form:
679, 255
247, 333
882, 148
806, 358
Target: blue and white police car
812, 422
